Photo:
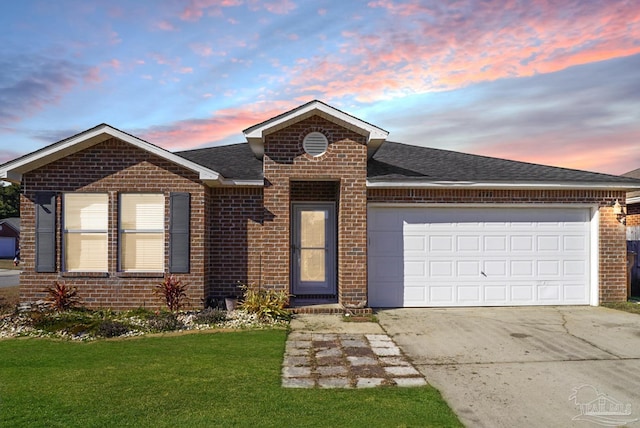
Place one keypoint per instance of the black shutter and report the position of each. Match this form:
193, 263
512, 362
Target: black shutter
179, 239
45, 232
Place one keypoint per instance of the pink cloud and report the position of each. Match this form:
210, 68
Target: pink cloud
7, 155
281, 7
196, 8
165, 26
222, 124
591, 153
465, 42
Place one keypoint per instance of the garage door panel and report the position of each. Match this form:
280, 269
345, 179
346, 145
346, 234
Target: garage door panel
415, 243
440, 268
548, 268
574, 243
495, 243
468, 268
495, 293
549, 293
468, 243
510, 257
440, 243
575, 268
521, 243
523, 294
470, 295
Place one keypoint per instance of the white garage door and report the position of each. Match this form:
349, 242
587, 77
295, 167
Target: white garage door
478, 256
7, 247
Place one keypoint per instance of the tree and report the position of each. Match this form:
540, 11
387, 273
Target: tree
9, 201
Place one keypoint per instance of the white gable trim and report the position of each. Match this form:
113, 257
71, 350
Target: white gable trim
255, 135
12, 171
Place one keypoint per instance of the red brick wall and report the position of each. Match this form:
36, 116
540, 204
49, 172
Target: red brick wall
633, 215
612, 245
236, 240
345, 162
113, 167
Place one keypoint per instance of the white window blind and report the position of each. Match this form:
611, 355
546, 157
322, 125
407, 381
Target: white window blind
85, 219
141, 232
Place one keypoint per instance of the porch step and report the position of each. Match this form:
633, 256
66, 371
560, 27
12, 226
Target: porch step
326, 308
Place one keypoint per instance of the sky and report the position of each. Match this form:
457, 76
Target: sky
552, 82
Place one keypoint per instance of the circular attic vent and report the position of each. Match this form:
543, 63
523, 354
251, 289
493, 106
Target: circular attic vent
315, 143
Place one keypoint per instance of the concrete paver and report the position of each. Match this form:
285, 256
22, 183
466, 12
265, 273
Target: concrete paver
317, 356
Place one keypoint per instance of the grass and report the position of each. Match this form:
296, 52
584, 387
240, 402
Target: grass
633, 307
8, 264
213, 379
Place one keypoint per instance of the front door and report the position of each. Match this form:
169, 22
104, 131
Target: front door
313, 249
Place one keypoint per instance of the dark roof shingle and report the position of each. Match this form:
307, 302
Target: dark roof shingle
235, 161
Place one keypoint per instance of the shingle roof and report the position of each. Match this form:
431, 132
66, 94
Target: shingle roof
13, 222
396, 161
235, 161
403, 162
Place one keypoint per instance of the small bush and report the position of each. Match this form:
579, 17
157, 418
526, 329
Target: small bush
173, 292
210, 316
73, 322
164, 321
110, 328
267, 303
62, 298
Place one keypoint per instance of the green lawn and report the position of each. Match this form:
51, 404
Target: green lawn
207, 379
633, 307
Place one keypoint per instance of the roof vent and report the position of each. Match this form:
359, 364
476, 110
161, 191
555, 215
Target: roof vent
315, 144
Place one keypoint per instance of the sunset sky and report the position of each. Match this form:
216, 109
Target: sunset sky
552, 82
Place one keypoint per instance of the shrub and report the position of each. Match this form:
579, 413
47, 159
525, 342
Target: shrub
173, 292
210, 316
110, 328
61, 298
164, 321
267, 303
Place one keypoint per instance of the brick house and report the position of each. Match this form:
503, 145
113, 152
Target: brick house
317, 203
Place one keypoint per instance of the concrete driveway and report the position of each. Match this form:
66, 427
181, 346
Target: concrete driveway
9, 278
517, 367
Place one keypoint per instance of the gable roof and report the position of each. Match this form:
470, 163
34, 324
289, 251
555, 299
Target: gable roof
255, 134
13, 170
399, 165
12, 222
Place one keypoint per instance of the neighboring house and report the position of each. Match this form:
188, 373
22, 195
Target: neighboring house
633, 233
316, 203
9, 237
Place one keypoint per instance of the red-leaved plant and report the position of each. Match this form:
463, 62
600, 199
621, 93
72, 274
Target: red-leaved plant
60, 297
173, 292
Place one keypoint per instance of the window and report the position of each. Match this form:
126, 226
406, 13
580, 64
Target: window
141, 232
85, 219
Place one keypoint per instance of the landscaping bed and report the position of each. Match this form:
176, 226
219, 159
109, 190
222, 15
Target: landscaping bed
83, 324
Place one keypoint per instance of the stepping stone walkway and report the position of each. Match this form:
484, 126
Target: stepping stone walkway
341, 360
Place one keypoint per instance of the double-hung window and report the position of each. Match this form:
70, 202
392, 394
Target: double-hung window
85, 240
141, 231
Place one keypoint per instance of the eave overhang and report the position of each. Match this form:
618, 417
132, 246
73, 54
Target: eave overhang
12, 171
256, 134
